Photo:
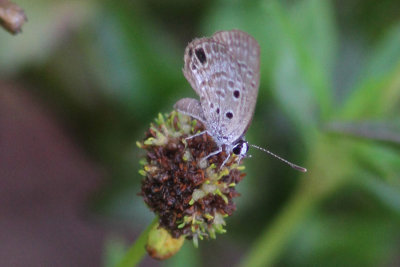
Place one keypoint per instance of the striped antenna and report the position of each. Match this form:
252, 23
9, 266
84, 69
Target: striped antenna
294, 166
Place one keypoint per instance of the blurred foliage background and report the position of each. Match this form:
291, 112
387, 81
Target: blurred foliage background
102, 70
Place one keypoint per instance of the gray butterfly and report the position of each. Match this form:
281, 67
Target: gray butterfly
224, 70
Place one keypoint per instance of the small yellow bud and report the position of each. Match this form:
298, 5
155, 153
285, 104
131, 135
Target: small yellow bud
161, 245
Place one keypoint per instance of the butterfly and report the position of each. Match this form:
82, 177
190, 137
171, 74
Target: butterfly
224, 70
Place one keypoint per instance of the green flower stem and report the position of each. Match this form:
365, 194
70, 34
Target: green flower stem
273, 239
318, 183
137, 251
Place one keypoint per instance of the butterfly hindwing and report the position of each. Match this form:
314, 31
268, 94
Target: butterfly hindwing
191, 107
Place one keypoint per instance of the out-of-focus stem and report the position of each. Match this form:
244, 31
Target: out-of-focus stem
137, 251
274, 238
321, 180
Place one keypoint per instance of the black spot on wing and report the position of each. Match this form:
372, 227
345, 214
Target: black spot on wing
201, 55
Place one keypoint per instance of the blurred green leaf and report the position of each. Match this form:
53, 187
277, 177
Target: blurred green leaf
314, 72
384, 132
295, 95
144, 60
358, 240
316, 31
385, 57
378, 92
383, 161
387, 192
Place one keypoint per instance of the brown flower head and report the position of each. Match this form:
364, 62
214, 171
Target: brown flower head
191, 196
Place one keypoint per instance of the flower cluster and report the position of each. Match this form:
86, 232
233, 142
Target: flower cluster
191, 196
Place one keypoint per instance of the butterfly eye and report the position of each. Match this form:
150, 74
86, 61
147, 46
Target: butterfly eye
190, 52
236, 150
201, 55
241, 148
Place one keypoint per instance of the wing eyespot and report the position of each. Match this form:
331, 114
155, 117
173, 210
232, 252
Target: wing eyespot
201, 56
229, 115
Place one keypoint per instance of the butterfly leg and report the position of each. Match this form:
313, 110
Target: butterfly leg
195, 135
225, 161
241, 157
212, 154
215, 153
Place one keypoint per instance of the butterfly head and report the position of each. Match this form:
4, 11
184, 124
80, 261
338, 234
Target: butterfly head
240, 148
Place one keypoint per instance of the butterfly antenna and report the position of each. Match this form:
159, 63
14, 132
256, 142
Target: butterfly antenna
294, 166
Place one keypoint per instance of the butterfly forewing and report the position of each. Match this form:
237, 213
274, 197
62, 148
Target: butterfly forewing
247, 54
244, 47
224, 72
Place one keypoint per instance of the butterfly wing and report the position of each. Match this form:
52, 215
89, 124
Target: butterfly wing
191, 107
246, 51
206, 64
218, 72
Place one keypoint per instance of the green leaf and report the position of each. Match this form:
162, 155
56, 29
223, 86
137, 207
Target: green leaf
314, 20
386, 54
388, 193
378, 92
140, 64
382, 131
302, 46
383, 161
342, 240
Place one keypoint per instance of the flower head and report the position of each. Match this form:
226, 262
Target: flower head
190, 195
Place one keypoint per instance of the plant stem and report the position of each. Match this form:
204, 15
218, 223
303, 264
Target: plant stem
312, 189
137, 251
272, 240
